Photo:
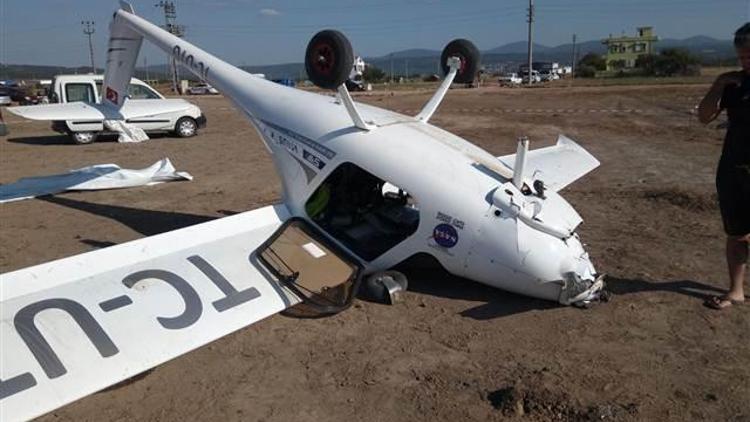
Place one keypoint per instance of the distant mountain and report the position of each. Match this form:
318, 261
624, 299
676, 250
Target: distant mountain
582, 48
518, 47
701, 45
412, 53
416, 61
23, 71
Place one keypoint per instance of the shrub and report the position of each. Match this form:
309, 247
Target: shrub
593, 60
373, 74
669, 62
585, 71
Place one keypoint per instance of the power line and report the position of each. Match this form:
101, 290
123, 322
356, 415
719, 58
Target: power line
88, 29
573, 66
171, 26
531, 37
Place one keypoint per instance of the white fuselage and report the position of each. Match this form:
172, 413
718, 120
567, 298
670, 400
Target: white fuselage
448, 187
309, 135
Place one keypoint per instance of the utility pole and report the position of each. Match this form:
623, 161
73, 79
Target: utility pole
170, 16
145, 66
88, 29
391, 67
575, 58
406, 65
531, 34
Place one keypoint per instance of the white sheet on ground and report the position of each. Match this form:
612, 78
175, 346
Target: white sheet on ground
100, 176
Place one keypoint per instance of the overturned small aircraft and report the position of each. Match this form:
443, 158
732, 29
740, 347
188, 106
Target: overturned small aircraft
363, 190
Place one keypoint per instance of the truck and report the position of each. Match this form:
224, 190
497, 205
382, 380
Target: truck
146, 109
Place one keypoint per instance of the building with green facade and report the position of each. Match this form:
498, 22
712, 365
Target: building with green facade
623, 51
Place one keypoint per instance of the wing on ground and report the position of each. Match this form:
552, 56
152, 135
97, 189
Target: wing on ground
77, 325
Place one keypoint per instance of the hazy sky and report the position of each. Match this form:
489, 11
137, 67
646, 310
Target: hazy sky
276, 31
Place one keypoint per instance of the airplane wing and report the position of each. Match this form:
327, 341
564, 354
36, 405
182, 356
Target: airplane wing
74, 326
557, 166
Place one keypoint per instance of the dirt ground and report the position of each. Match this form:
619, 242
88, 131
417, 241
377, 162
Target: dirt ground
454, 350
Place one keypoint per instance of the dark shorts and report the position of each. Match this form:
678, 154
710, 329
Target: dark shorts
733, 187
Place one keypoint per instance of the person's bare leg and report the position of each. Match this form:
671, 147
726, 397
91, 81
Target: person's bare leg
737, 254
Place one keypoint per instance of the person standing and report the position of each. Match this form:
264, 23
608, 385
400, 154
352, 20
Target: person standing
731, 92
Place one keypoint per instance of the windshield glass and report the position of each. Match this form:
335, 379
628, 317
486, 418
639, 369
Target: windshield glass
142, 92
79, 92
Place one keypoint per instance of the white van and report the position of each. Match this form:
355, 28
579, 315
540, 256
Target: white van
156, 114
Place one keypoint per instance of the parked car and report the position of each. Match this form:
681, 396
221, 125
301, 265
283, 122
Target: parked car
31, 96
548, 75
535, 78
511, 79
4, 96
3, 127
155, 113
202, 89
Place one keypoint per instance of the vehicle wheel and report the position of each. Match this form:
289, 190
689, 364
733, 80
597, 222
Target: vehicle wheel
186, 127
470, 58
375, 287
329, 59
82, 138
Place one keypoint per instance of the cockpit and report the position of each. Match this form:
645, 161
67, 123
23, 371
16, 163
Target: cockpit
365, 213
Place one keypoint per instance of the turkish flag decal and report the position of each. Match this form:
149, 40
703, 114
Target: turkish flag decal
112, 95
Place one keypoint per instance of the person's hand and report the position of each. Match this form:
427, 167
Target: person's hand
730, 78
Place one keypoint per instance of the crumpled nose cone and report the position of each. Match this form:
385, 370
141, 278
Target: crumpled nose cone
545, 258
562, 264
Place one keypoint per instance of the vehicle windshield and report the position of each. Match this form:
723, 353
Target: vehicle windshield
79, 92
142, 92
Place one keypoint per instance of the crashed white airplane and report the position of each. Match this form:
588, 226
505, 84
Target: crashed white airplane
363, 190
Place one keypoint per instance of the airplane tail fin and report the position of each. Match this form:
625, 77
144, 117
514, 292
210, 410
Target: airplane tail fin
122, 53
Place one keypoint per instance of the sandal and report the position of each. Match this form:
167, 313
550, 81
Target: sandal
721, 302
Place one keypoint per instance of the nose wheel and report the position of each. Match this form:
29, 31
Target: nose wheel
385, 287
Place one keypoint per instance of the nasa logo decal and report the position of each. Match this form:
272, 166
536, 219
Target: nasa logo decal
445, 235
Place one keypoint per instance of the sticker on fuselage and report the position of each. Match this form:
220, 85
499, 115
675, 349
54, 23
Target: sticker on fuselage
308, 153
445, 235
447, 219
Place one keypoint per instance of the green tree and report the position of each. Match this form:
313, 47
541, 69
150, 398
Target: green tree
646, 63
373, 74
585, 72
589, 65
593, 60
669, 62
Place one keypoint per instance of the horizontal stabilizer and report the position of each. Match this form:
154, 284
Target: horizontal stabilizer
557, 166
70, 111
80, 111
